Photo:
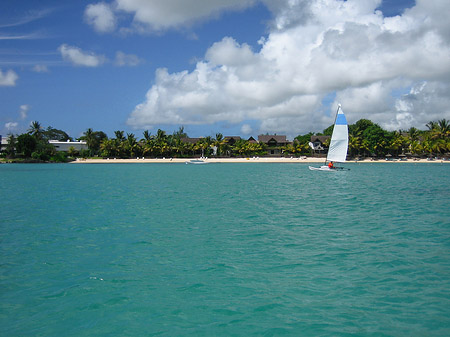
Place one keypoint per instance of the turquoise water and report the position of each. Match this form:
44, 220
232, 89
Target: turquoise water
224, 250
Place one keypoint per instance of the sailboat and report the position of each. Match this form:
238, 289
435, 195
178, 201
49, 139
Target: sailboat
337, 151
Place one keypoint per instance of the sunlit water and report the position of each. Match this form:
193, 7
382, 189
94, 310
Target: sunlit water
224, 250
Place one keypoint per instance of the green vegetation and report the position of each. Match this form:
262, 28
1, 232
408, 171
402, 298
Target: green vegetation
365, 139
33, 146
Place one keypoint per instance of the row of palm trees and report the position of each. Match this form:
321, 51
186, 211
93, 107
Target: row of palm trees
365, 139
176, 145
372, 140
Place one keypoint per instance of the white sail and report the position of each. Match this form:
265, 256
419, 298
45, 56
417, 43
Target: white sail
339, 139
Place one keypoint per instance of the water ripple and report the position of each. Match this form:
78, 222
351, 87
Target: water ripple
225, 250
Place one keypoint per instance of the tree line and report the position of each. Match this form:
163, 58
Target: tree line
365, 139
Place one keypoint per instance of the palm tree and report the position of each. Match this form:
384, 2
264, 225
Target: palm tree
219, 142
161, 145
202, 145
416, 147
131, 145
443, 128
108, 147
119, 135
89, 136
365, 147
147, 136
35, 129
413, 134
189, 148
354, 144
397, 142
11, 146
180, 133
241, 147
147, 147
179, 146
427, 146
439, 146
72, 152
431, 125
161, 136
117, 145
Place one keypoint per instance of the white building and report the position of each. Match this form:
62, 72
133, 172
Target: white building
3, 142
65, 146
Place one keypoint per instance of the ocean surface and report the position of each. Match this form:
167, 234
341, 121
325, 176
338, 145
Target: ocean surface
224, 250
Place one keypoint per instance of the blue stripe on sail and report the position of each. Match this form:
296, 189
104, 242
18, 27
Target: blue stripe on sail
341, 120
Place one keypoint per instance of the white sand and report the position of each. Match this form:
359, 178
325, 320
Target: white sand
244, 160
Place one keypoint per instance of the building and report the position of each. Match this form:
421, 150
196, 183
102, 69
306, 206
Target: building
274, 144
65, 146
231, 140
319, 143
3, 143
190, 140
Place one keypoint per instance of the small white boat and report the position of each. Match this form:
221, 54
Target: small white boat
196, 162
337, 151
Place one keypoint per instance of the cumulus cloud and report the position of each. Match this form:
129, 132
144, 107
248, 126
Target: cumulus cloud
316, 48
123, 59
80, 58
159, 15
101, 17
426, 101
8, 78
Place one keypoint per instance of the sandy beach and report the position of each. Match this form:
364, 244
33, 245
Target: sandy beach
246, 160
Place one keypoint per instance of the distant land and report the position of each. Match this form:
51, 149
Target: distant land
366, 140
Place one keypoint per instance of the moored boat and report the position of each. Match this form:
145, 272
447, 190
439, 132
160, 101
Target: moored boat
196, 162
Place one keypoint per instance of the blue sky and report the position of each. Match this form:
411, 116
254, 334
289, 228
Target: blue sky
237, 67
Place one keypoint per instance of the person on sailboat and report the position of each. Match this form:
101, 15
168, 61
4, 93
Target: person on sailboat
330, 165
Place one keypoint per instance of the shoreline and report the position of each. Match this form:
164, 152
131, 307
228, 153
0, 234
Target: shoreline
304, 160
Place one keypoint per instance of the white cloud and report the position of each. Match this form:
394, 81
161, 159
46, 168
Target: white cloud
315, 48
426, 101
40, 68
80, 58
159, 15
101, 17
27, 18
23, 114
8, 78
23, 111
30, 36
246, 129
11, 126
123, 59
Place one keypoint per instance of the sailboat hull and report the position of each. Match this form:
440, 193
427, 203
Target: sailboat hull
322, 168
327, 169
